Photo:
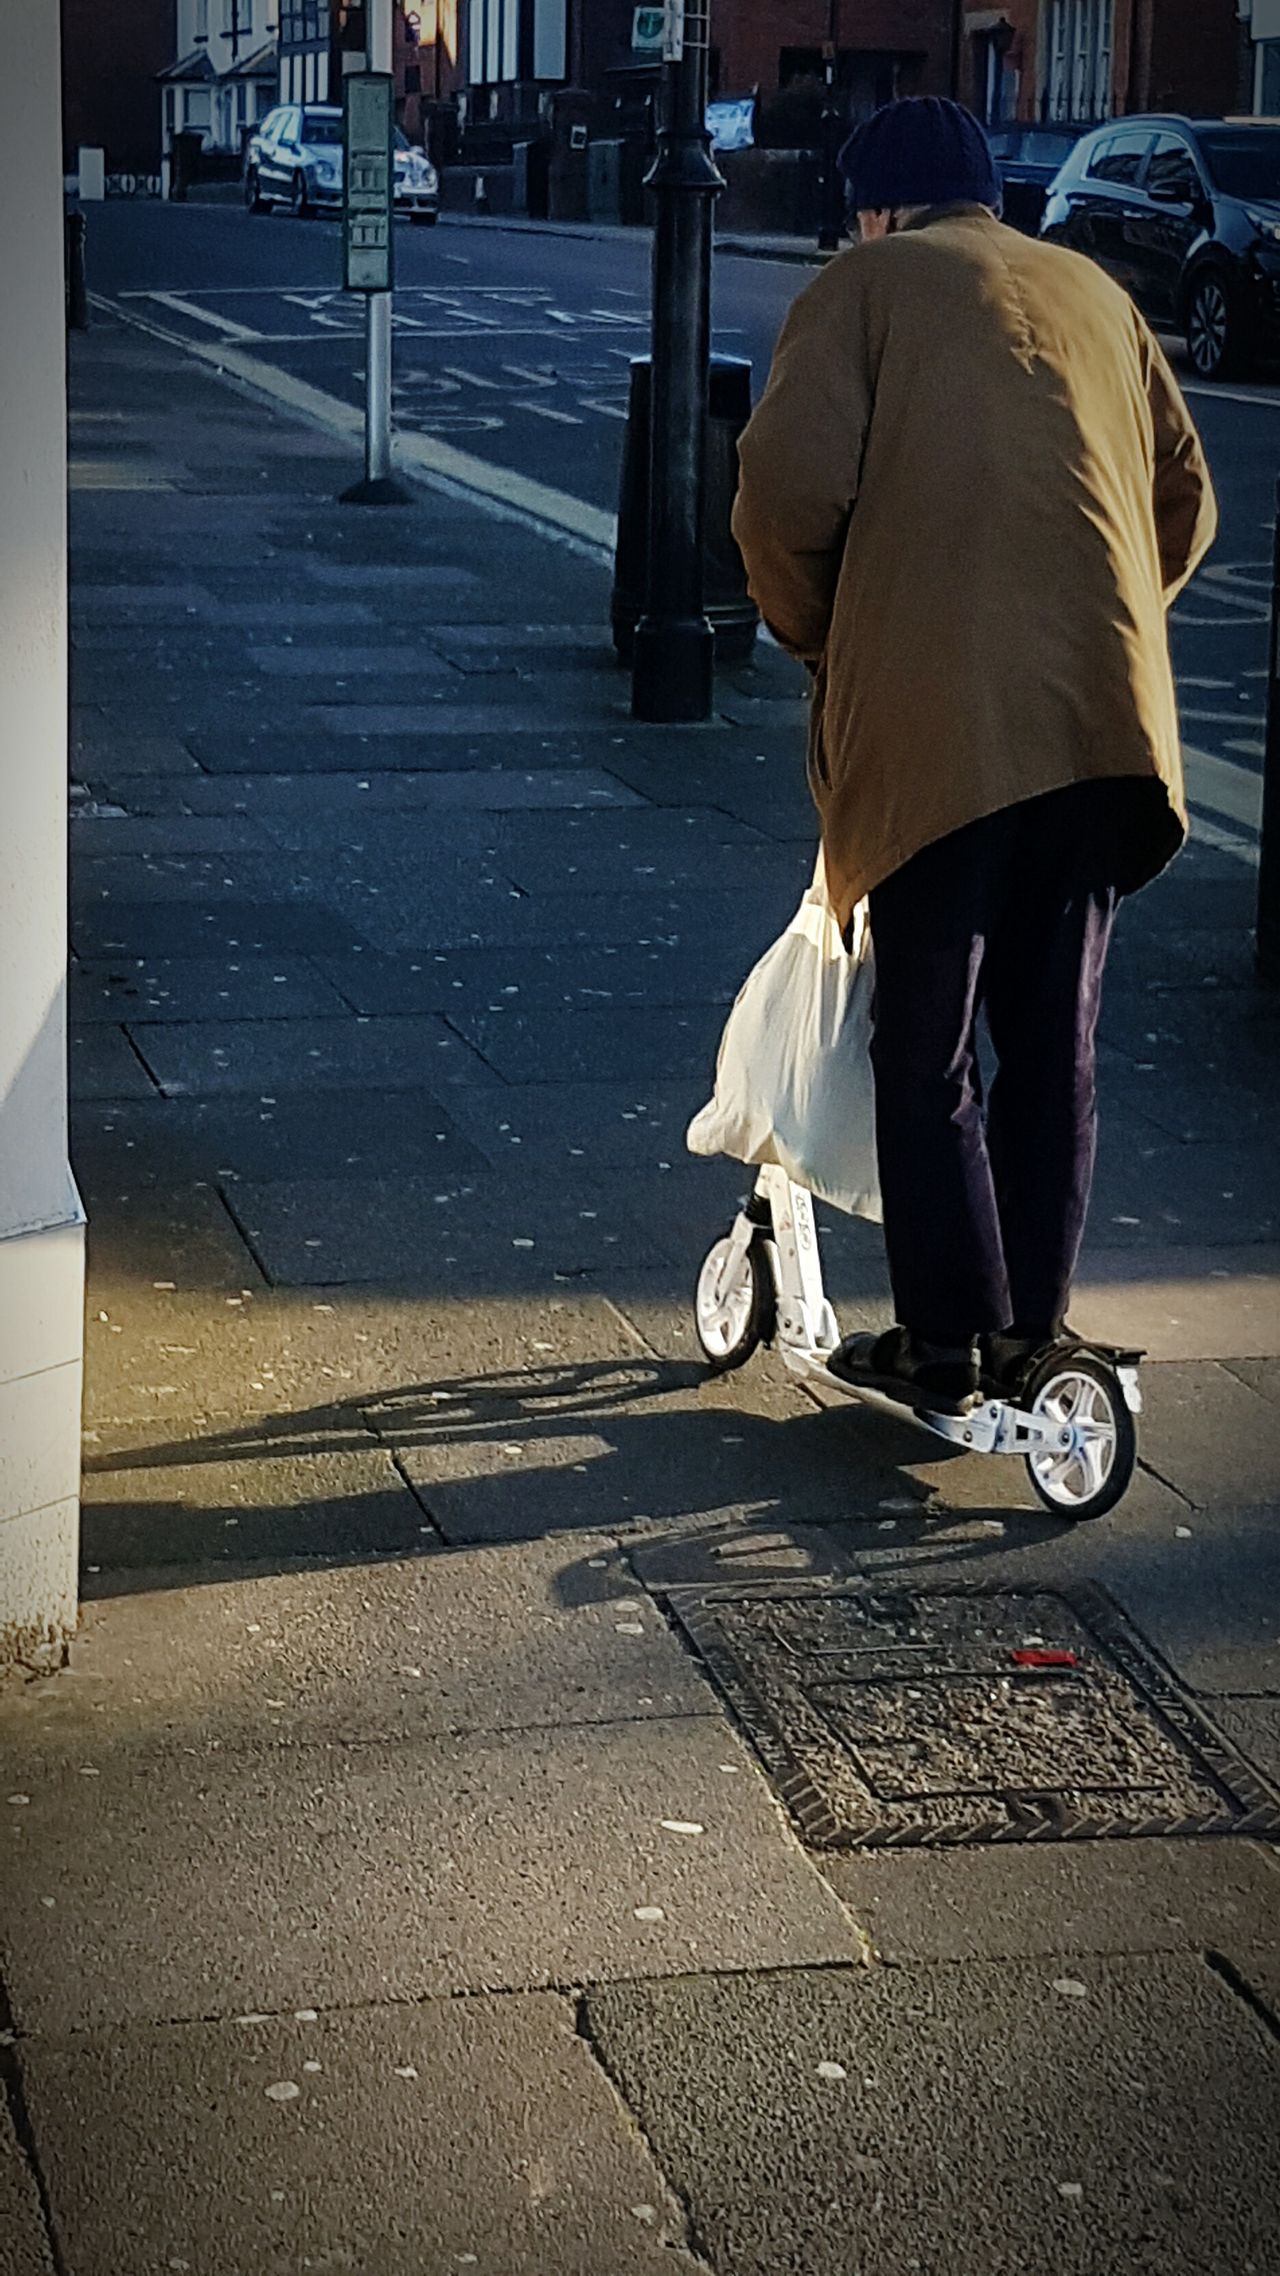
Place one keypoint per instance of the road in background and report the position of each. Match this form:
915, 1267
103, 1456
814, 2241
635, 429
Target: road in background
514, 345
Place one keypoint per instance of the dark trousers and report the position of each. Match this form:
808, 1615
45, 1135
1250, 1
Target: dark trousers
984, 1208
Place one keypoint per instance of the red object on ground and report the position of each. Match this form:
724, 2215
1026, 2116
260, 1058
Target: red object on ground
1030, 1658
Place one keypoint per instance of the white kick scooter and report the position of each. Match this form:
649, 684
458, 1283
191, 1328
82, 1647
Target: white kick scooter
1074, 1428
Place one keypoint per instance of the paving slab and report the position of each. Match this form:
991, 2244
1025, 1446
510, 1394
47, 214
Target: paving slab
1210, 1435
218, 927
1023, 1902
1259, 1973
528, 980
1189, 1302
183, 1493
24, 2239
550, 1124
1261, 1375
126, 989
132, 756
254, 1056
148, 1239
488, 789
634, 1444
102, 1064
487, 1235
477, 2134
645, 1043
545, 1634
340, 1876
176, 833
1075, 2114
321, 663
226, 1138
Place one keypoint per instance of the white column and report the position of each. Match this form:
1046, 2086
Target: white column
41, 1225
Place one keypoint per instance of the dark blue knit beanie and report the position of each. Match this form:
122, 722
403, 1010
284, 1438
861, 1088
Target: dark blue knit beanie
921, 151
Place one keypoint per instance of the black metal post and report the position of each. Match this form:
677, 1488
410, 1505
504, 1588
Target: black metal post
77, 290
831, 207
1268, 924
674, 653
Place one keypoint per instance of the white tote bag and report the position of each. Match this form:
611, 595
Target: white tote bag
793, 1076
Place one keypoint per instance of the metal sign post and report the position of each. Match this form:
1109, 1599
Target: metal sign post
674, 652
368, 127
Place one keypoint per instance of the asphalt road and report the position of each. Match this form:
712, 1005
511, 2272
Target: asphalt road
513, 346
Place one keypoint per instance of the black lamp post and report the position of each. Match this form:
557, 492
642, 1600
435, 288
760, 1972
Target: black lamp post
674, 653
831, 212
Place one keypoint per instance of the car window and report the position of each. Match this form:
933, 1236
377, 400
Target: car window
288, 127
1245, 164
1005, 141
1173, 172
322, 126
1041, 148
268, 125
1119, 158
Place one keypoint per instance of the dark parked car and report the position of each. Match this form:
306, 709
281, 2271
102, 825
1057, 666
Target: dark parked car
295, 157
1186, 214
1029, 157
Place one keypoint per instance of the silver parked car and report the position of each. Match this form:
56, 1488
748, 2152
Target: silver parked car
294, 158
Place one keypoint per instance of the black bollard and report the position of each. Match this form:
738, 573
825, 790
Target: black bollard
1267, 937
77, 286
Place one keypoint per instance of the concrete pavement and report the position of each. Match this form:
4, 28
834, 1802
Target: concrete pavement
386, 1885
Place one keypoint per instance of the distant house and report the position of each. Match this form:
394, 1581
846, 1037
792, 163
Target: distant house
319, 40
223, 78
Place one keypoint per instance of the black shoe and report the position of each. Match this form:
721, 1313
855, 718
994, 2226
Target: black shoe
939, 1379
1007, 1360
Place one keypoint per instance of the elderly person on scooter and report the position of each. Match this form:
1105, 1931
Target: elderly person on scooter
969, 495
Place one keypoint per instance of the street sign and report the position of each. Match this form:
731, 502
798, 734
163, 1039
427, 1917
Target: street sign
368, 117
647, 30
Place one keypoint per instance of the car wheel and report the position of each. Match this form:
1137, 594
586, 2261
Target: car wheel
253, 197
299, 201
1215, 329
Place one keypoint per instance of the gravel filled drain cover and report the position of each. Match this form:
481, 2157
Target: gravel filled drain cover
969, 1715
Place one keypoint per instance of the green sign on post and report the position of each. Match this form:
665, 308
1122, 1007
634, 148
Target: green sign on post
646, 31
368, 115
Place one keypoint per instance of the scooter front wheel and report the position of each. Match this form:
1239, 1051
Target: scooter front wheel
734, 1310
1082, 1398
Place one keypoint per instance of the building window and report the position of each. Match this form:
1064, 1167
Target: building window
202, 19
1078, 86
1267, 99
309, 82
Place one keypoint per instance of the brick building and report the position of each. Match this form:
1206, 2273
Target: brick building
110, 61
320, 39
1094, 59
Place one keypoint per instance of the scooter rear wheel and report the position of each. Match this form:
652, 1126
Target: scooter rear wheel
733, 1321
1083, 1397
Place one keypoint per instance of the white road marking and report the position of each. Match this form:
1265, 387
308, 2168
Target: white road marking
192, 308
473, 378
1224, 718
1257, 401
511, 496
1221, 841
1224, 788
546, 411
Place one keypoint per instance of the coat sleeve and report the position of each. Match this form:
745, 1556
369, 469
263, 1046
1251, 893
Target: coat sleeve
800, 458
1186, 509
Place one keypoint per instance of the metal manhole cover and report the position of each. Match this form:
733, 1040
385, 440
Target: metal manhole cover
925, 1716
